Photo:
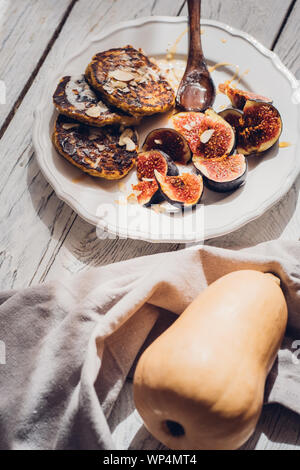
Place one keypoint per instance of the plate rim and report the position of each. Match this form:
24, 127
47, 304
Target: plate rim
138, 234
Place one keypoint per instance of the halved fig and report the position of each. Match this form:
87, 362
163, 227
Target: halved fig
239, 97
208, 134
223, 174
152, 160
170, 142
147, 189
262, 127
233, 117
147, 193
182, 191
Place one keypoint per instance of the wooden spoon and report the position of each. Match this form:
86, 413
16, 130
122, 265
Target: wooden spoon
196, 91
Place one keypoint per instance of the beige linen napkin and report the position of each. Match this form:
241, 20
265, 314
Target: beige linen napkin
70, 344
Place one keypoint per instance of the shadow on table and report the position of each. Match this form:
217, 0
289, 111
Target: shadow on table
78, 236
81, 240
144, 441
268, 428
270, 226
286, 435
276, 425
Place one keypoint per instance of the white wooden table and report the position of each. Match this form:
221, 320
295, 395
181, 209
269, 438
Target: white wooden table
41, 237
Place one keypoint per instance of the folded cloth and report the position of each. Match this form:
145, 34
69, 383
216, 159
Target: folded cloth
70, 344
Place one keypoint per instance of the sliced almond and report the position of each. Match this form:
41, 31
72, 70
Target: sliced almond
207, 135
69, 126
130, 145
148, 180
141, 79
118, 84
143, 70
127, 133
158, 141
95, 165
108, 89
103, 108
121, 75
100, 147
94, 111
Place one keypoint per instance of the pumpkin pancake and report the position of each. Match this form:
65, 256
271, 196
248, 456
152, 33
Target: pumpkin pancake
128, 80
101, 152
75, 98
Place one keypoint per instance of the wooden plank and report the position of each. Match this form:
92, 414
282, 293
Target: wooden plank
23, 267
130, 433
287, 46
214, 9
34, 222
108, 12
278, 428
261, 19
283, 220
27, 28
35, 225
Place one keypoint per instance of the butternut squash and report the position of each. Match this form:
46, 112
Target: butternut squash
200, 385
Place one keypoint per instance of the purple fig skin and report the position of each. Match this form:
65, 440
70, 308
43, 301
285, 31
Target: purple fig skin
239, 97
264, 125
193, 126
157, 198
180, 204
170, 142
235, 114
224, 186
227, 187
172, 170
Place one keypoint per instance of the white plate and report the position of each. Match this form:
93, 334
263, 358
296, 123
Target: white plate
269, 177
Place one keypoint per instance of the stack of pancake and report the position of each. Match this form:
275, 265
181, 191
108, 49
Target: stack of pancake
98, 111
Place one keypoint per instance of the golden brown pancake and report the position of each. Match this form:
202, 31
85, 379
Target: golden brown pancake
75, 98
106, 152
128, 80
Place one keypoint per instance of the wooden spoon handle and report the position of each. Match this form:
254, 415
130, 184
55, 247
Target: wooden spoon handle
195, 58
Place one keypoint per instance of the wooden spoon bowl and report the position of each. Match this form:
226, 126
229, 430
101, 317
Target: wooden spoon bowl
196, 91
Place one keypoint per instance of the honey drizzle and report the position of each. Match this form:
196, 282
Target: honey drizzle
243, 75
79, 179
217, 66
284, 145
173, 49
